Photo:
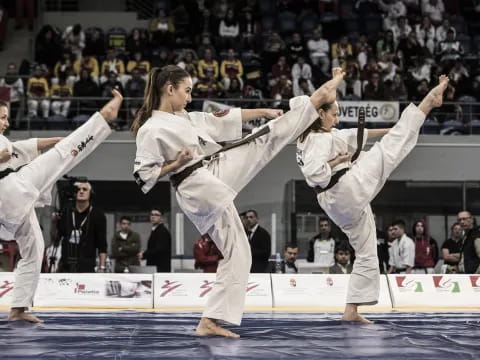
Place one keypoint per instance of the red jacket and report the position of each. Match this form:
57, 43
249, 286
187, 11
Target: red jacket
206, 255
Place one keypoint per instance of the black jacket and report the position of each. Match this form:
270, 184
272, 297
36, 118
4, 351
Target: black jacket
271, 267
260, 244
470, 258
159, 249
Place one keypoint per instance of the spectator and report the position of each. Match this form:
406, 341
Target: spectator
208, 62
112, 64
281, 68
396, 90
382, 248
469, 262
352, 83
234, 91
61, 94
161, 59
64, 66
387, 67
231, 67
452, 248
206, 43
421, 70
208, 87
95, 44
374, 89
140, 64
37, 93
189, 63
394, 9
206, 254
426, 249
340, 52
135, 88
83, 230
125, 246
111, 83
362, 49
302, 86
386, 43
48, 47
282, 90
15, 83
162, 30
229, 31
425, 34
86, 87
301, 69
441, 31
410, 49
89, 63
74, 40
401, 30
296, 49
273, 47
159, 247
208, 23
321, 248
319, 51
449, 50
260, 243
421, 90
137, 42
402, 250
434, 9
249, 31
342, 260
290, 252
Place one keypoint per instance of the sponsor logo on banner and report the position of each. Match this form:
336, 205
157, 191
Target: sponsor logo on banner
251, 285
169, 286
81, 289
329, 281
445, 284
6, 287
65, 282
375, 111
293, 283
128, 289
475, 280
206, 287
408, 285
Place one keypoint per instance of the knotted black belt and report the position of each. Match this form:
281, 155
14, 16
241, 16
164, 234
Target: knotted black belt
176, 179
6, 172
336, 177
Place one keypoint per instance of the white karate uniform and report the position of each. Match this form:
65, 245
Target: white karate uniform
348, 202
21, 191
402, 253
206, 196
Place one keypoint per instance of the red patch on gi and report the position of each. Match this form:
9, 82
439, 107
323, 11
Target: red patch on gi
74, 153
221, 113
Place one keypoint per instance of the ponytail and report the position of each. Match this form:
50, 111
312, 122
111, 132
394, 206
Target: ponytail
157, 79
316, 125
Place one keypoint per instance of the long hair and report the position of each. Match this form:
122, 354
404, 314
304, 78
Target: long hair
157, 79
316, 125
426, 235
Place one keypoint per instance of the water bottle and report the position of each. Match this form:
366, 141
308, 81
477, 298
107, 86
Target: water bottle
278, 264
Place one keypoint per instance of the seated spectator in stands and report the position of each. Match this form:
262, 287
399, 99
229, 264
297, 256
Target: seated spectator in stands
394, 9
138, 63
137, 41
410, 49
86, 87
388, 68
421, 70
386, 43
449, 50
434, 9
301, 69
229, 31
441, 31
15, 83
374, 89
352, 83
302, 86
208, 23
207, 62
161, 58
401, 30
125, 246
231, 67
319, 49
162, 30
206, 254
287, 266
206, 43
64, 66
470, 256
234, 91
112, 64
342, 259
452, 248
281, 68
48, 47
74, 40
282, 90
188, 61
296, 48
396, 91
402, 250
37, 93
421, 90
426, 249
321, 248
95, 44
111, 83
208, 87
89, 63
361, 50
459, 74
250, 31
135, 88
273, 47
60, 94
340, 52
425, 33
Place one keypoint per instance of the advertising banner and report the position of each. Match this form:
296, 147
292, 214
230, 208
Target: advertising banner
375, 111
193, 289
95, 290
6, 287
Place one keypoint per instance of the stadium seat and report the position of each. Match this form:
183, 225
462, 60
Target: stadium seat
287, 23
309, 23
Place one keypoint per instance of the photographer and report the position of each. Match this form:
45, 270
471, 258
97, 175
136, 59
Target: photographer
83, 231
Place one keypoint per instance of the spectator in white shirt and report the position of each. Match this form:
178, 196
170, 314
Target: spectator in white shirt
301, 69
319, 51
402, 250
434, 9
426, 34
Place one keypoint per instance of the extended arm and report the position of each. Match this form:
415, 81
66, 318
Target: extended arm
45, 143
251, 114
374, 133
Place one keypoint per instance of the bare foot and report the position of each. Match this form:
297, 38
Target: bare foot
356, 317
20, 314
435, 97
327, 93
208, 327
110, 110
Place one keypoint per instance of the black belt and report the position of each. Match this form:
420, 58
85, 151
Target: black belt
6, 172
176, 179
336, 177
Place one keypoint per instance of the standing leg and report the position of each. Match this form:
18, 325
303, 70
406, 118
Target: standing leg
31, 245
227, 298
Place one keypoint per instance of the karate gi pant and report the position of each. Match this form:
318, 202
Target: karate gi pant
348, 202
42, 173
236, 167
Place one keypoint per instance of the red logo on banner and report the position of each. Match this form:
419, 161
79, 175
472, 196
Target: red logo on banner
475, 280
6, 287
251, 286
329, 281
169, 286
208, 286
79, 288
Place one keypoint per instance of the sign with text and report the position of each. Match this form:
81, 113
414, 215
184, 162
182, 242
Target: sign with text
95, 290
193, 289
318, 290
375, 111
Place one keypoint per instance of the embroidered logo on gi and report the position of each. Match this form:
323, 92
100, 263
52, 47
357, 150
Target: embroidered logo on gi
74, 153
443, 284
82, 146
299, 156
14, 155
202, 141
221, 113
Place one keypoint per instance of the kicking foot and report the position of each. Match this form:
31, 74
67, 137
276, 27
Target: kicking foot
327, 93
356, 317
436, 94
110, 110
20, 314
208, 327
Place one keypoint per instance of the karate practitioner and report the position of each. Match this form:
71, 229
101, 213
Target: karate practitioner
26, 180
172, 141
323, 151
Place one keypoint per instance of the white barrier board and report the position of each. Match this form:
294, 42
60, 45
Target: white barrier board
318, 290
446, 290
6, 288
95, 290
192, 290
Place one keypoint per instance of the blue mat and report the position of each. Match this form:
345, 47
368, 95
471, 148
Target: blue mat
149, 335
